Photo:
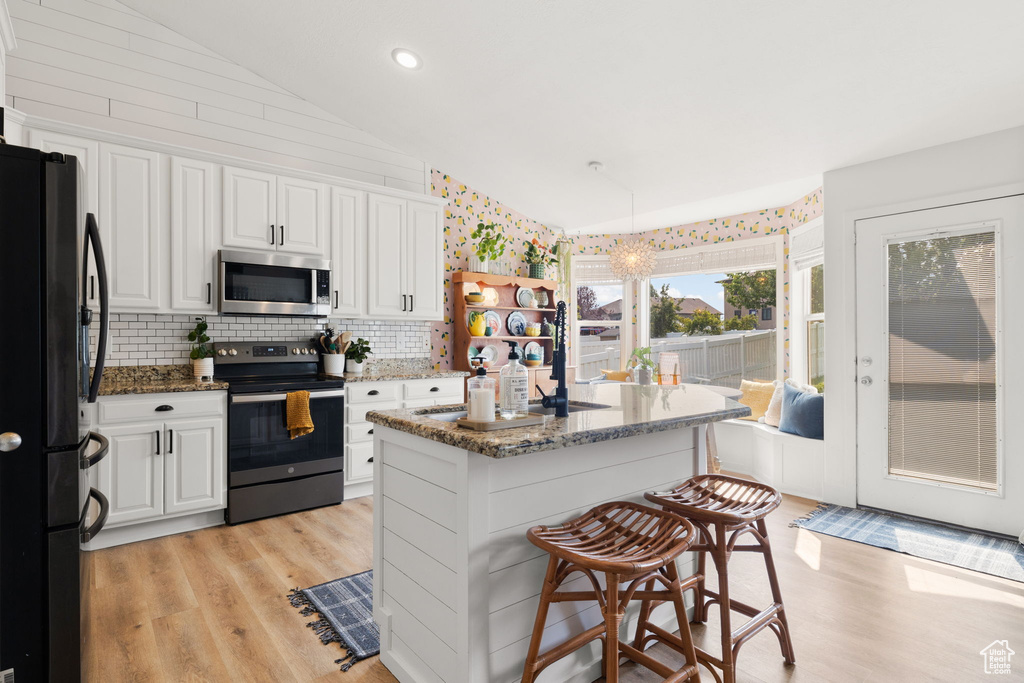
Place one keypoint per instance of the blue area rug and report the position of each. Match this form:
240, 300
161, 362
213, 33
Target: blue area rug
949, 545
345, 608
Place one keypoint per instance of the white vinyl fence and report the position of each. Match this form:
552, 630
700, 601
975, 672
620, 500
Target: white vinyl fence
723, 360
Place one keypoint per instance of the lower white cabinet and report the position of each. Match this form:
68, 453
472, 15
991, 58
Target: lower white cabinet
162, 466
365, 397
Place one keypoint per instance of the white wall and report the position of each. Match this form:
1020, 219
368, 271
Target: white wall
969, 170
101, 64
6, 43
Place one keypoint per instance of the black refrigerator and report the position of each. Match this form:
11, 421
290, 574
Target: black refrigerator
47, 508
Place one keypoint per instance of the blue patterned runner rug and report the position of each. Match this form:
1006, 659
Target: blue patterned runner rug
950, 545
345, 610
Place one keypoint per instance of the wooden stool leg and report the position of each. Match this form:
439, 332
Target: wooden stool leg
720, 555
612, 620
700, 608
684, 625
645, 615
538, 626
785, 640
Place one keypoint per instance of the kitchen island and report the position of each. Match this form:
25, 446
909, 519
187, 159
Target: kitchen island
456, 583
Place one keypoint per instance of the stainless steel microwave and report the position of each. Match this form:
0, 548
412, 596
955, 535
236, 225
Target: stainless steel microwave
259, 283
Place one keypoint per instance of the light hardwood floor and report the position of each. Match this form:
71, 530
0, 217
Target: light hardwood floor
210, 606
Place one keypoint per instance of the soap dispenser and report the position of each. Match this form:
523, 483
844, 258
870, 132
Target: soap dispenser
515, 385
481, 396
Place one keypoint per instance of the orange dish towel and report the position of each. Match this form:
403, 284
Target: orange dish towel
297, 409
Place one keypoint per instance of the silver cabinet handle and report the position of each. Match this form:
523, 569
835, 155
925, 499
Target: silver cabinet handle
283, 396
9, 441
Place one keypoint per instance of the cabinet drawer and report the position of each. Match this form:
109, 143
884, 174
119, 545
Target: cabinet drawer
434, 388
117, 409
371, 392
359, 462
357, 413
358, 432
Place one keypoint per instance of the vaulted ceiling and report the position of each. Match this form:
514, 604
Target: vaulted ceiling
702, 108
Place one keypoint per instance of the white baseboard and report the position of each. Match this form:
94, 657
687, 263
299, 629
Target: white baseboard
363, 488
143, 531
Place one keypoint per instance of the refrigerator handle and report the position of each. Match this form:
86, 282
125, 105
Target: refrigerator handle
93, 231
89, 532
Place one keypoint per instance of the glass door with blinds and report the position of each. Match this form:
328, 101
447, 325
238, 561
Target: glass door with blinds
934, 345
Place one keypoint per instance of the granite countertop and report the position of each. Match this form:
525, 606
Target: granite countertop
626, 410
399, 375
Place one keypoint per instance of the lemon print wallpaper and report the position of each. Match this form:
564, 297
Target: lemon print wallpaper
468, 206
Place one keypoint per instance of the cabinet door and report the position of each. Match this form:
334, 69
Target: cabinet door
131, 476
348, 251
387, 257
129, 223
193, 193
88, 154
301, 216
250, 209
194, 466
426, 262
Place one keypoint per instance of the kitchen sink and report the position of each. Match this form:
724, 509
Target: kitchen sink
535, 408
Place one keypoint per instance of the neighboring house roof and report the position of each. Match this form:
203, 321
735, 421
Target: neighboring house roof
687, 305
612, 309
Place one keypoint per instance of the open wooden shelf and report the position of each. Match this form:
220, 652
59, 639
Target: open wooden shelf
481, 307
509, 337
503, 280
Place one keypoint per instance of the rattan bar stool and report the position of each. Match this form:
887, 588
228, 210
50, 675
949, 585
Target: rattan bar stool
631, 544
731, 507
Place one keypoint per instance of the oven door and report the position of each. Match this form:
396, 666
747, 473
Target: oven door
273, 284
260, 448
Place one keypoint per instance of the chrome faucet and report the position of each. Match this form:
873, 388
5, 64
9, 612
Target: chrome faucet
560, 399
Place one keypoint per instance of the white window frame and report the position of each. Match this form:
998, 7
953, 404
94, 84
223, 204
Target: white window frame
625, 325
800, 305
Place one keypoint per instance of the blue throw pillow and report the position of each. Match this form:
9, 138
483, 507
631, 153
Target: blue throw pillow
802, 414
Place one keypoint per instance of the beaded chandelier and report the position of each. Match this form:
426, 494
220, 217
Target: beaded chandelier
632, 259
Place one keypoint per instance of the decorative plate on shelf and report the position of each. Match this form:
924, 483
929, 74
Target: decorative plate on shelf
493, 322
516, 322
489, 353
524, 296
541, 295
472, 352
490, 297
534, 347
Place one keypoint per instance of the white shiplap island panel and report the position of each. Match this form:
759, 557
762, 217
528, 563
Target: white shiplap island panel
456, 583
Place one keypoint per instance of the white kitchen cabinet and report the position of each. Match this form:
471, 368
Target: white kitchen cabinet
274, 213
301, 216
194, 465
194, 228
87, 152
348, 252
425, 267
406, 257
250, 209
130, 226
131, 476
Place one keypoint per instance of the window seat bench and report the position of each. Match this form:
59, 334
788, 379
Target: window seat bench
787, 462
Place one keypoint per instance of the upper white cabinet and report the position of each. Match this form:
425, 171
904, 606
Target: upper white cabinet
194, 232
87, 152
129, 222
348, 252
270, 212
405, 259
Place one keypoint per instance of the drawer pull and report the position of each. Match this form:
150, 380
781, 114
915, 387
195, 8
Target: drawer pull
371, 431
164, 408
435, 388
370, 459
372, 392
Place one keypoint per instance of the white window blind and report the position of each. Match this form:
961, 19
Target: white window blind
595, 272
807, 249
942, 359
728, 257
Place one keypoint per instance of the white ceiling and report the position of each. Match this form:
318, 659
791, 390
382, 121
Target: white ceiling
703, 108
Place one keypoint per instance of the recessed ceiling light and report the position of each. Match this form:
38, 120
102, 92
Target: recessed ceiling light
406, 58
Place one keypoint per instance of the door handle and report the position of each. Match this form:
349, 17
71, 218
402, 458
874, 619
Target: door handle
92, 287
209, 293
100, 520
158, 442
404, 301
273, 232
866, 381
281, 243
170, 442
410, 303
99, 454
335, 298
9, 441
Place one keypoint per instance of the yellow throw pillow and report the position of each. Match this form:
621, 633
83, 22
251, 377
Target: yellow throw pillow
616, 375
756, 396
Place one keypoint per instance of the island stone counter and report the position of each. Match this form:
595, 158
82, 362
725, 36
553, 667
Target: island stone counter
456, 583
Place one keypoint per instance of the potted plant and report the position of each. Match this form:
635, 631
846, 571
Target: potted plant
539, 257
201, 354
490, 247
356, 355
644, 364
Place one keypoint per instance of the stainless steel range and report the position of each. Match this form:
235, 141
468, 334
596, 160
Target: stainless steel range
270, 473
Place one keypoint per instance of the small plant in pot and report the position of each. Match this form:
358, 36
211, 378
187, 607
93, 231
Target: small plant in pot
202, 352
644, 364
539, 257
356, 355
490, 247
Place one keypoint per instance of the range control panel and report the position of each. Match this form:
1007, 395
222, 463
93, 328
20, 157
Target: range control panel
264, 352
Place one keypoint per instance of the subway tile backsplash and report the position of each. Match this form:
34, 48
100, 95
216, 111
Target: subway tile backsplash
152, 339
